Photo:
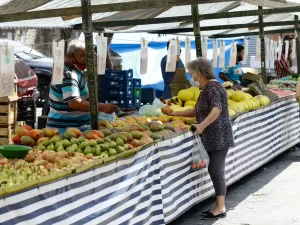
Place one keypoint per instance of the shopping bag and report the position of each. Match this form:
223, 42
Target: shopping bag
200, 158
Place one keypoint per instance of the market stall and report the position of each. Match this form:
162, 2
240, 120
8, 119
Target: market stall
92, 178
156, 185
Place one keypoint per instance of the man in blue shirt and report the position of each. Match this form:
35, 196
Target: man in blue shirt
173, 81
234, 73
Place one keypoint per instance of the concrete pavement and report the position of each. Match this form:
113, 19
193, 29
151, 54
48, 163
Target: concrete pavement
268, 196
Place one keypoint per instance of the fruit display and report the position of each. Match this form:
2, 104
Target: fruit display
259, 88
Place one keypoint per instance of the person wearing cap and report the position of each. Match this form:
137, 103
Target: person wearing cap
235, 73
283, 66
174, 81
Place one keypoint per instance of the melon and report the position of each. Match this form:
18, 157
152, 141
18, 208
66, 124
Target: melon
185, 95
238, 96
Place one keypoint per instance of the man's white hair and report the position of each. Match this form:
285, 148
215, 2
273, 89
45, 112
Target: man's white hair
75, 46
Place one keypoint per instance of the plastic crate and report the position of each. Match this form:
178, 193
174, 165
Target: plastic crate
119, 93
114, 83
137, 83
26, 111
118, 74
137, 92
125, 103
137, 101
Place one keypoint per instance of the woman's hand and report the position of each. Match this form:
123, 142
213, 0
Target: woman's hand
168, 111
200, 128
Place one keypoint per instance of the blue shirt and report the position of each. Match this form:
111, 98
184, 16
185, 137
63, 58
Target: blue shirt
74, 86
233, 73
168, 76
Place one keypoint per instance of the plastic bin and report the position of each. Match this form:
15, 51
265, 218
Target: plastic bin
114, 83
118, 74
125, 103
119, 93
137, 83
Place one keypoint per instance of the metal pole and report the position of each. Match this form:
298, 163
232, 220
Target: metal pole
262, 46
196, 27
91, 75
297, 44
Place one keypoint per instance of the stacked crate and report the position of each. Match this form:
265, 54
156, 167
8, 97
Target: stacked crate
8, 116
118, 87
27, 111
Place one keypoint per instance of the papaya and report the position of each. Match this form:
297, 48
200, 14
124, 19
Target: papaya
170, 127
127, 135
136, 134
156, 128
156, 136
106, 132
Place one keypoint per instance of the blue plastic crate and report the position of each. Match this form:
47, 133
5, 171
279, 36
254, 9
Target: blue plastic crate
114, 83
120, 93
119, 74
137, 101
137, 83
125, 103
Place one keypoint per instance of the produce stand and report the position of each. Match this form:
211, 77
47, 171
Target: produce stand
156, 185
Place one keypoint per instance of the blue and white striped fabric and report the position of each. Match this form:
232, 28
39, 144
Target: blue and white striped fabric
156, 185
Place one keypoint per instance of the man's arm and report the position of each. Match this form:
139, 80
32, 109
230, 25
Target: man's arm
82, 105
224, 77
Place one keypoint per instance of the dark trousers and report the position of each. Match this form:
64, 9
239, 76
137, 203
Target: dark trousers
216, 170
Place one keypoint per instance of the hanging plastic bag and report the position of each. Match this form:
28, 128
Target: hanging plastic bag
158, 103
107, 117
149, 110
200, 158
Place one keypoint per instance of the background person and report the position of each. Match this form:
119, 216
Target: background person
173, 81
283, 66
69, 106
235, 73
214, 124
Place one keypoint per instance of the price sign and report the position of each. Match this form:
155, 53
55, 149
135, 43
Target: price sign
58, 49
188, 50
144, 56
258, 50
7, 70
215, 53
246, 50
101, 54
204, 47
172, 56
233, 54
222, 54
294, 48
279, 48
287, 46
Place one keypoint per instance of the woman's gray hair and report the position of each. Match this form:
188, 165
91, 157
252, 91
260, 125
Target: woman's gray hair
75, 46
203, 66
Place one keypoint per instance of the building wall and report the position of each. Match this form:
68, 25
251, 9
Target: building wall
41, 39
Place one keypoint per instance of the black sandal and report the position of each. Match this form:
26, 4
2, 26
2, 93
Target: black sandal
211, 216
206, 212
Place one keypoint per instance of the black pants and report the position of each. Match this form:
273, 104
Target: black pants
216, 170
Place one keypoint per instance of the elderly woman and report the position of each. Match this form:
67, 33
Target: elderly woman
214, 125
69, 106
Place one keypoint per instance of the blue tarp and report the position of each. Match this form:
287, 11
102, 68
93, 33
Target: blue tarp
128, 47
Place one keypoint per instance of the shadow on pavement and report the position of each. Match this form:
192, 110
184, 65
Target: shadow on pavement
240, 190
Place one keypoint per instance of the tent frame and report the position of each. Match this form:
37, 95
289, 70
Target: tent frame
86, 12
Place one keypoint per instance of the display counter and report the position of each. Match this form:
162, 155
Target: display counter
156, 185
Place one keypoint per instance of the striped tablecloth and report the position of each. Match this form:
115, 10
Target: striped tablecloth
156, 185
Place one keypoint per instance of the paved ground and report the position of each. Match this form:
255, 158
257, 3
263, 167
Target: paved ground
268, 196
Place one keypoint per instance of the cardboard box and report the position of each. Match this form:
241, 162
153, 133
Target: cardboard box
252, 77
